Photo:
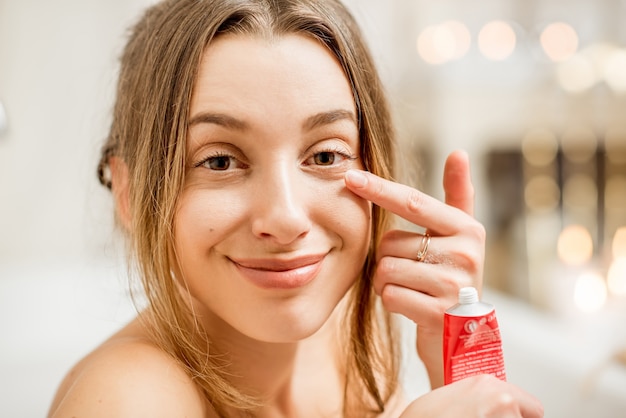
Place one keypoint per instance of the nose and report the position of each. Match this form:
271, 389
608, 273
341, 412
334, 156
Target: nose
280, 211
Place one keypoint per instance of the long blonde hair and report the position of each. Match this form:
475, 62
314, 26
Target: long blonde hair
149, 128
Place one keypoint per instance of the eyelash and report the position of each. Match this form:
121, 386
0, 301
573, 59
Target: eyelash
335, 150
222, 154
217, 154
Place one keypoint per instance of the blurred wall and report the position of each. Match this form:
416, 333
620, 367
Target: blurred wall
57, 75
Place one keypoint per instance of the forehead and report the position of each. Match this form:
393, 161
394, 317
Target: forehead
290, 72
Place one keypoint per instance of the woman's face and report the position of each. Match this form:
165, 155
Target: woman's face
268, 239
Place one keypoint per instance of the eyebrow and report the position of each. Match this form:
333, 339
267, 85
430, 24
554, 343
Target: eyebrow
219, 119
310, 123
327, 118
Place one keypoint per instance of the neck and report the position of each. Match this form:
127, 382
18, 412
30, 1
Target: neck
287, 377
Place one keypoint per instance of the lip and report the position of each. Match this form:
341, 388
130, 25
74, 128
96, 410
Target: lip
271, 273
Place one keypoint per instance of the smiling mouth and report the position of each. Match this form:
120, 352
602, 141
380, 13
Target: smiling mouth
280, 274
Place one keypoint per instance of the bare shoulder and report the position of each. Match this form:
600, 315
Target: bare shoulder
128, 376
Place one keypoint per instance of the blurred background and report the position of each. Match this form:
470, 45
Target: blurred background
535, 91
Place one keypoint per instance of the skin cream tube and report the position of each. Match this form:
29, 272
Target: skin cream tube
471, 339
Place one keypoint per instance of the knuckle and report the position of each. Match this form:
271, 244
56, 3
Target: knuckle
479, 231
450, 284
501, 404
415, 201
506, 401
389, 297
386, 267
501, 401
483, 380
480, 380
476, 230
473, 262
469, 259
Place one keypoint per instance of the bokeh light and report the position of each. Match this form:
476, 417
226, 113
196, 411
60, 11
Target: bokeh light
575, 245
559, 41
577, 74
497, 40
426, 47
616, 277
459, 35
590, 292
586, 68
580, 191
579, 144
448, 41
615, 71
539, 147
542, 193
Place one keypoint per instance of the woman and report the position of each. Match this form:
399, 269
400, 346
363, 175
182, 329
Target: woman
250, 158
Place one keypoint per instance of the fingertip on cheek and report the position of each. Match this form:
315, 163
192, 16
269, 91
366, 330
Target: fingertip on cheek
356, 178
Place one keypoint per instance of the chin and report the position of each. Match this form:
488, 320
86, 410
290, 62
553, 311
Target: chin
292, 327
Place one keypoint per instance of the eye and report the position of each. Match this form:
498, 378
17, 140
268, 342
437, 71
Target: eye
220, 162
330, 157
324, 158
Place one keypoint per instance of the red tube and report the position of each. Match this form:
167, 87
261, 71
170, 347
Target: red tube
471, 339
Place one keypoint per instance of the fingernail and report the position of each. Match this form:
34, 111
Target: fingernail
356, 178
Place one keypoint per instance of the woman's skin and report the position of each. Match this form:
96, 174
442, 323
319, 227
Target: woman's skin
271, 230
265, 216
268, 236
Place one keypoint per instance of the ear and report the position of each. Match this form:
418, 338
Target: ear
120, 189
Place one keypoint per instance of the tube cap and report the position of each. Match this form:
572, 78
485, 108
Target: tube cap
468, 295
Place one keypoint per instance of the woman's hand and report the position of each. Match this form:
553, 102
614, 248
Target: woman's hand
423, 290
478, 396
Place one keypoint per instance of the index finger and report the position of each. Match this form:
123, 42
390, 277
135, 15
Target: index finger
411, 204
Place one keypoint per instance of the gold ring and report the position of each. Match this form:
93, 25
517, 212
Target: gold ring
421, 254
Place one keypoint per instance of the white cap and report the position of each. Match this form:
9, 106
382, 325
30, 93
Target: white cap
468, 295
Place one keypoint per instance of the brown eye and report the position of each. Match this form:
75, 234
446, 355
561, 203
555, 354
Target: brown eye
219, 163
324, 158
222, 160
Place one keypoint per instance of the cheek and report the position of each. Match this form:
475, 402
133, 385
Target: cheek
349, 216
202, 219
359, 222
